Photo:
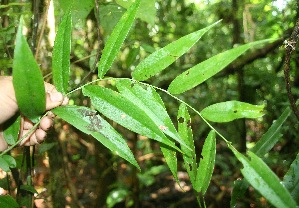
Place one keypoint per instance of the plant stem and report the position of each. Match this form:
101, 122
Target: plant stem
25, 136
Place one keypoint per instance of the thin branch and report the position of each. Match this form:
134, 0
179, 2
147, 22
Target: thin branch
43, 28
290, 48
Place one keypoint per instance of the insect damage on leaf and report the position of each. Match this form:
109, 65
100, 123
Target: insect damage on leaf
94, 119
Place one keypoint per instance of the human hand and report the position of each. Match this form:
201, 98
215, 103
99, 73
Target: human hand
9, 108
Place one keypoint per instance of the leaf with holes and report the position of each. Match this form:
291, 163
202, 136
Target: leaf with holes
185, 132
206, 164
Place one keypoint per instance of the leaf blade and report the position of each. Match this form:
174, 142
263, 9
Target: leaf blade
261, 177
87, 121
163, 57
206, 164
231, 110
61, 54
208, 68
121, 110
185, 131
116, 39
27, 79
271, 137
291, 179
151, 103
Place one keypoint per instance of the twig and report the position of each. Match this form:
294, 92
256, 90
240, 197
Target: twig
43, 28
290, 48
93, 69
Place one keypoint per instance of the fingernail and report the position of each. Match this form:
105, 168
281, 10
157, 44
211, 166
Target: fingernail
56, 97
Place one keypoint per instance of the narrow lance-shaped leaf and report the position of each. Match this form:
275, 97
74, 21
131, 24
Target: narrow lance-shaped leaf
61, 54
261, 177
124, 112
206, 164
149, 101
271, 137
231, 110
291, 179
27, 79
116, 39
171, 160
263, 146
206, 69
147, 11
185, 132
89, 122
163, 57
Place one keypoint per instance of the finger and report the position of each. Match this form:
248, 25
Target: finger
65, 101
27, 124
33, 139
46, 123
53, 100
50, 88
51, 115
25, 141
40, 135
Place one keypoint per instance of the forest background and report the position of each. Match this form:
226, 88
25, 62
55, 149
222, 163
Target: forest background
71, 169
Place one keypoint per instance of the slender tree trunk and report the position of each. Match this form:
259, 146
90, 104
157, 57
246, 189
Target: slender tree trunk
240, 74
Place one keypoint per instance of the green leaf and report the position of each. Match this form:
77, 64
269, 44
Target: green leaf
291, 179
146, 12
116, 39
163, 57
125, 112
4, 165
231, 110
11, 133
149, 101
28, 188
61, 54
171, 160
116, 196
208, 68
10, 161
261, 177
185, 132
87, 121
110, 14
80, 10
239, 189
8, 201
44, 147
206, 164
271, 137
27, 79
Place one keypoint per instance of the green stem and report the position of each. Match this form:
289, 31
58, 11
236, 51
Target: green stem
25, 136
